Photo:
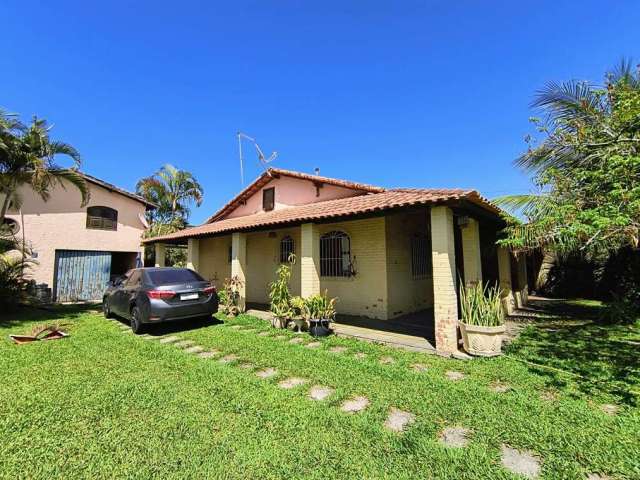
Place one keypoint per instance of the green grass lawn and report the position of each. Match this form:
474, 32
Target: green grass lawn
107, 404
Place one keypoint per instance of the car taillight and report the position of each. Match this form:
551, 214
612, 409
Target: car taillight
163, 294
209, 290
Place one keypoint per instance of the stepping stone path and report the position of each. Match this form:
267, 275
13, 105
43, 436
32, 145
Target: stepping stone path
292, 382
597, 476
210, 354
338, 350
500, 387
455, 437
264, 334
169, 339
387, 360
454, 376
320, 393
419, 367
246, 366
355, 405
280, 337
194, 349
313, 345
267, 373
184, 344
228, 358
609, 409
236, 327
398, 420
249, 330
360, 355
549, 396
520, 462
296, 340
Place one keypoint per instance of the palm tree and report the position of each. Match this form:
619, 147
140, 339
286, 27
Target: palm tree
27, 157
173, 191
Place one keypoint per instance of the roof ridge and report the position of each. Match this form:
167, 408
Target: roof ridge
115, 188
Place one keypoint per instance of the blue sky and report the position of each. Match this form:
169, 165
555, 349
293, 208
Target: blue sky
420, 94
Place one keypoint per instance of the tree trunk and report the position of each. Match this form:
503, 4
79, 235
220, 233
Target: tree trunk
548, 261
5, 207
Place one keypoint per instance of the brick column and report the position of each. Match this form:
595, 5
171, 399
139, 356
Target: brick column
309, 260
445, 299
504, 271
239, 265
193, 254
471, 253
160, 254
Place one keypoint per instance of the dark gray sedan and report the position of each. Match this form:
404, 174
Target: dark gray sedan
153, 295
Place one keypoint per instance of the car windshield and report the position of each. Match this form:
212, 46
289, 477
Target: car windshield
172, 276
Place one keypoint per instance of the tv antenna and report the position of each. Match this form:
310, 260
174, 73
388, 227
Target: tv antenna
261, 158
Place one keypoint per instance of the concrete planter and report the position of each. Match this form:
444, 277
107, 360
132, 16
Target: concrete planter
278, 322
482, 341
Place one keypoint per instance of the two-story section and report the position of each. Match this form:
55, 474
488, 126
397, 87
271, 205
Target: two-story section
79, 248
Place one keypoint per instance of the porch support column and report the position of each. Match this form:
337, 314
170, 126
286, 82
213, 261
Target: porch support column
193, 254
160, 254
309, 260
445, 300
239, 265
522, 294
471, 253
504, 271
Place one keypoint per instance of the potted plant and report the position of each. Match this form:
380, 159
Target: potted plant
299, 317
321, 311
482, 325
280, 297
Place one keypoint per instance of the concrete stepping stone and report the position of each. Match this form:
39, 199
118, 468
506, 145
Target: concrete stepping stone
127, 331
520, 462
419, 367
123, 326
236, 327
194, 349
398, 420
246, 366
228, 358
454, 437
609, 408
209, 354
280, 337
454, 376
499, 387
319, 392
338, 350
597, 476
296, 340
264, 334
355, 405
549, 396
292, 382
267, 373
170, 339
313, 345
387, 360
360, 355
249, 330
184, 343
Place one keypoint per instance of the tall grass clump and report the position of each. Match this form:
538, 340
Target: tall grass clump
481, 305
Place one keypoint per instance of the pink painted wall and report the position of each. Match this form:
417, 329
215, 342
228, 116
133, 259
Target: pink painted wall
289, 192
60, 224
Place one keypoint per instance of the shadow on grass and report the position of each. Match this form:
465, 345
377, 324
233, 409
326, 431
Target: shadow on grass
49, 313
597, 357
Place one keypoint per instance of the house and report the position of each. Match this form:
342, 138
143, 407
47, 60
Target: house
78, 248
385, 253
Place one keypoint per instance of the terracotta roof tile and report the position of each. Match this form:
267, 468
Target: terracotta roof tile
343, 207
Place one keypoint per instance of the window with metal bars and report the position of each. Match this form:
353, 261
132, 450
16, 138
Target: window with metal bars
287, 248
102, 218
420, 256
335, 255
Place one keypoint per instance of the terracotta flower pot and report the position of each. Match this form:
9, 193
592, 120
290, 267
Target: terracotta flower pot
482, 341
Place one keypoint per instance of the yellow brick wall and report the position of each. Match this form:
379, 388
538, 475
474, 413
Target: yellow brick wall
214, 259
366, 292
406, 294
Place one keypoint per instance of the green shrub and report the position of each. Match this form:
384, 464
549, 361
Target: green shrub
481, 305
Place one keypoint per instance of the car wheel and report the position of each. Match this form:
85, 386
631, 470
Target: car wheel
136, 323
106, 309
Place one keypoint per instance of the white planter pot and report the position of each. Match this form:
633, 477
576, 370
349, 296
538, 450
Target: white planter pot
482, 341
277, 322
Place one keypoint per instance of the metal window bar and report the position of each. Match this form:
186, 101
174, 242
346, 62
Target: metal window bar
420, 256
287, 248
335, 255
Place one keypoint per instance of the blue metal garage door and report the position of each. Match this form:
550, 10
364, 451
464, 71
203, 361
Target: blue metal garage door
81, 275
